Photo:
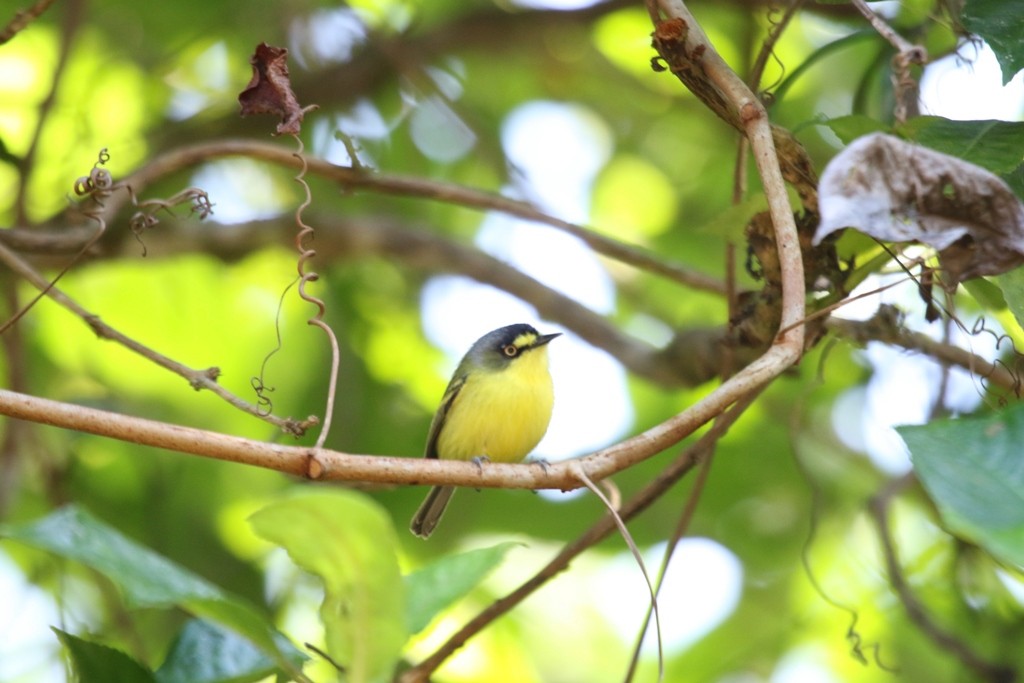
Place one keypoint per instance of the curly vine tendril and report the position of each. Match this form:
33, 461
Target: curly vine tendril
305, 254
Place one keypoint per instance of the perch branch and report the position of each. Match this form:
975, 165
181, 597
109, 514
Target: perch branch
323, 464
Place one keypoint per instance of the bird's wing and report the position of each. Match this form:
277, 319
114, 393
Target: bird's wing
454, 387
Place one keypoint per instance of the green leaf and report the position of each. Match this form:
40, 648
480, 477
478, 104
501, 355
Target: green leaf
206, 653
633, 199
147, 579
1015, 180
439, 584
999, 22
994, 145
849, 128
95, 663
972, 469
988, 293
732, 220
820, 54
348, 541
1012, 284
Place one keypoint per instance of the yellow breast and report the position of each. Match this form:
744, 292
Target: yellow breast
500, 415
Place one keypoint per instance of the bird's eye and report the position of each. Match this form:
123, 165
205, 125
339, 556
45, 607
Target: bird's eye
510, 350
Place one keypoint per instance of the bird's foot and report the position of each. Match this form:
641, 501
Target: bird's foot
479, 462
544, 465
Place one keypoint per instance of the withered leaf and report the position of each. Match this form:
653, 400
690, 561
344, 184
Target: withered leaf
270, 90
898, 191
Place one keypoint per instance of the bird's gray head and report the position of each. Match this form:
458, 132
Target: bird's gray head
496, 349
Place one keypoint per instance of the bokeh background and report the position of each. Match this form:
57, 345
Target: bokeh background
552, 103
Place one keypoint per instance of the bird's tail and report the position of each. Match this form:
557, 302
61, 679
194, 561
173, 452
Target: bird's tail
429, 514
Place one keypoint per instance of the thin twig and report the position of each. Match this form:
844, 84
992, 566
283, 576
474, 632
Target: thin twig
883, 29
197, 379
739, 170
682, 524
652, 606
904, 84
69, 27
768, 45
258, 382
826, 311
15, 446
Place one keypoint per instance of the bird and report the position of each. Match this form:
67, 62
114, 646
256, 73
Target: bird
496, 408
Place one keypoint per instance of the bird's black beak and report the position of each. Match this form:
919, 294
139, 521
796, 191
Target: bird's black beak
544, 339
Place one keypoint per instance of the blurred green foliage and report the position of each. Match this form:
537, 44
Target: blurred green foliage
785, 496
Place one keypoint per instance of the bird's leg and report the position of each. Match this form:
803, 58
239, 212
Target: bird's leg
479, 462
544, 465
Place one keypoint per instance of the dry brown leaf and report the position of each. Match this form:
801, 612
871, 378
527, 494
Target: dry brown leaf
270, 90
899, 192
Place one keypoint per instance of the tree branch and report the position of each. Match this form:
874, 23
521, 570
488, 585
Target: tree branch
884, 327
22, 18
693, 357
686, 48
408, 186
319, 464
486, 29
